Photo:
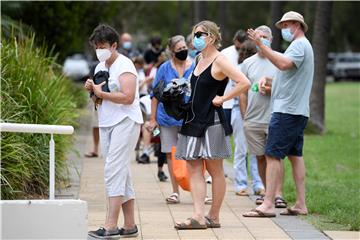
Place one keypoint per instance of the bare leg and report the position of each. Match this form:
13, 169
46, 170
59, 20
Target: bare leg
113, 212
272, 181
216, 170
174, 184
146, 137
261, 161
279, 190
128, 211
96, 139
198, 188
298, 168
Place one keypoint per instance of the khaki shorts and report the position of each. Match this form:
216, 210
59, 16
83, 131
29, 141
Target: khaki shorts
256, 136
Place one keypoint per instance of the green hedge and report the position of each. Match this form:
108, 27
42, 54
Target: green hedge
33, 91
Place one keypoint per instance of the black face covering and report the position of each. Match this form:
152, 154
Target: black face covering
182, 55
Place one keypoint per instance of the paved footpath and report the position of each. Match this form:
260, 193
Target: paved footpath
155, 218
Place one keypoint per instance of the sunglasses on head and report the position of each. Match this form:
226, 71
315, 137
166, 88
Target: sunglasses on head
199, 34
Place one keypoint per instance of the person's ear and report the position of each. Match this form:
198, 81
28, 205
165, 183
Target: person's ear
115, 45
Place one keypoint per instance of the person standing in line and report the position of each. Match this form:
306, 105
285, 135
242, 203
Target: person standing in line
179, 66
119, 124
255, 107
204, 135
126, 46
232, 113
290, 96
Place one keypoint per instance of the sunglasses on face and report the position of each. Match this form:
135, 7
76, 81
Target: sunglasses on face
199, 34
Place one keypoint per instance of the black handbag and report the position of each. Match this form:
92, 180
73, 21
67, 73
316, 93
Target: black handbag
99, 77
102, 76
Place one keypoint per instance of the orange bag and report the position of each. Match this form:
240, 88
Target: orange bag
180, 171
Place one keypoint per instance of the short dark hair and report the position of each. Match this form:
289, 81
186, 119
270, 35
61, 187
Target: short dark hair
104, 33
240, 36
155, 40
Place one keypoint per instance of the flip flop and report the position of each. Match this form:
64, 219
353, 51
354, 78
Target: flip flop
194, 224
280, 203
210, 223
292, 212
91, 155
258, 214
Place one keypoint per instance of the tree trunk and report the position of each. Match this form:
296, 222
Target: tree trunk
276, 14
200, 11
222, 11
321, 35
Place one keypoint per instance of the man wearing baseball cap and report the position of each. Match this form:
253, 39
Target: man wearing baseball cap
290, 95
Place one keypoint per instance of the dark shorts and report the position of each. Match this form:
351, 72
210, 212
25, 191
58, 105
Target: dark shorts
286, 135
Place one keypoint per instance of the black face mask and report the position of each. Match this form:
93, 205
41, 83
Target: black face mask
182, 55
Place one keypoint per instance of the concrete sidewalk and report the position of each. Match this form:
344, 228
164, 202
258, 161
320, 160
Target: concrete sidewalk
156, 219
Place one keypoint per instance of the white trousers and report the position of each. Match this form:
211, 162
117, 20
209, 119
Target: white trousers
117, 144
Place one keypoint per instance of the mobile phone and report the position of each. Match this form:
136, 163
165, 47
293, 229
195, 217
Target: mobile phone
156, 132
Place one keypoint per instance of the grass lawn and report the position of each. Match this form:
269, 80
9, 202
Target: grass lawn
333, 163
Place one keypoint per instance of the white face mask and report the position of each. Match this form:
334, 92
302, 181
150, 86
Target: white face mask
103, 54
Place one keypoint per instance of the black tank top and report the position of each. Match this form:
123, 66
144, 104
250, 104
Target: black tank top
201, 113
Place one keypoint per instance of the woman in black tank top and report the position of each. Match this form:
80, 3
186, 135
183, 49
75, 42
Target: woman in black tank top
204, 135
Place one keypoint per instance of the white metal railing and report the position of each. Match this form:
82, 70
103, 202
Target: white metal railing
41, 128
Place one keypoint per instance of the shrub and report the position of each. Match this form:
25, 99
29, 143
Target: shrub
33, 91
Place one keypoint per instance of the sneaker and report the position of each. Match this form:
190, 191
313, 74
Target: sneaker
144, 158
102, 233
162, 177
128, 233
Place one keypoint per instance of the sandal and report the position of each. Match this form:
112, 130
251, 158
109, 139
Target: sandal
208, 201
210, 223
173, 199
194, 224
280, 203
258, 214
259, 200
292, 212
91, 155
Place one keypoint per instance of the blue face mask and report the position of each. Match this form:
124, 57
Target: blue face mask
265, 42
287, 35
127, 45
192, 53
199, 43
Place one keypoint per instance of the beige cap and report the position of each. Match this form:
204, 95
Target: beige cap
292, 16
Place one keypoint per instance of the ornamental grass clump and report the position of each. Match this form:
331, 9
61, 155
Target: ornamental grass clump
33, 91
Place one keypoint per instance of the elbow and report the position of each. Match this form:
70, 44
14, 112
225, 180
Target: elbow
282, 67
247, 85
285, 66
129, 100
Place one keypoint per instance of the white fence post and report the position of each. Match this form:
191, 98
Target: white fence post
52, 169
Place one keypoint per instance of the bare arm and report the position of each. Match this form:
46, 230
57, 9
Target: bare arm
279, 60
127, 93
243, 104
152, 122
242, 83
